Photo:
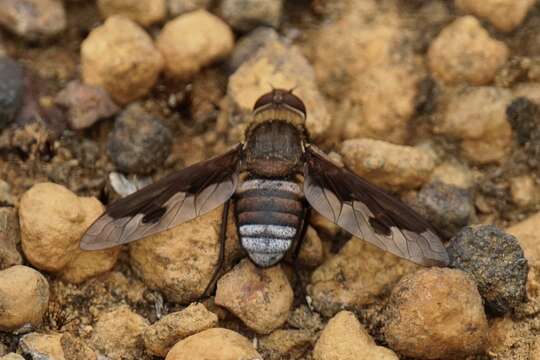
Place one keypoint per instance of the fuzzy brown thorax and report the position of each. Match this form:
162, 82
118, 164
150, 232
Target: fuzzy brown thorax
273, 140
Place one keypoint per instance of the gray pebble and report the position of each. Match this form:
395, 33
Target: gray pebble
139, 142
11, 90
244, 15
447, 207
248, 45
496, 262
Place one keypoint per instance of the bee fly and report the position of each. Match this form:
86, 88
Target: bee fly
274, 177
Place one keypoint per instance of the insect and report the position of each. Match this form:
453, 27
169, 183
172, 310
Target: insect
274, 177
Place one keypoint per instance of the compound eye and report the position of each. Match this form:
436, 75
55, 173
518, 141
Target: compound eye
281, 97
294, 101
264, 100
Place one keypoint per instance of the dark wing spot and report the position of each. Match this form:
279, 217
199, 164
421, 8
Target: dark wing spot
379, 226
154, 215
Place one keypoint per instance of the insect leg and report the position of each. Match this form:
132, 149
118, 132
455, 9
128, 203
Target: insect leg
221, 255
296, 252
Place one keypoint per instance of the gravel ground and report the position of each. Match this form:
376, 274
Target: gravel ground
435, 101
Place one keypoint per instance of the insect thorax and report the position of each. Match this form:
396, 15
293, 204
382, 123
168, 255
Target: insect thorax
273, 149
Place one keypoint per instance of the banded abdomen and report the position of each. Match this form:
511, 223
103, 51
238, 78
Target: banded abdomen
269, 217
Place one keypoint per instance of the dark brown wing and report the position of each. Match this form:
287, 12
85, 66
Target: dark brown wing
368, 212
175, 199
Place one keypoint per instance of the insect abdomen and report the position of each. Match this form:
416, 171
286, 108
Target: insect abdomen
269, 217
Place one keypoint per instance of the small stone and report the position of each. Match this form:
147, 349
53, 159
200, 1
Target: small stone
179, 7
280, 66
477, 117
139, 142
120, 56
395, 167
180, 262
435, 313
245, 15
145, 12
525, 192
193, 41
453, 174
249, 44
33, 19
45, 346
285, 344
85, 104
344, 338
214, 344
118, 334
505, 15
52, 220
464, 52
11, 90
495, 261
55, 346
261, 298
447, 207
357, 276
9, 238
75, 348
161, 336
24, 297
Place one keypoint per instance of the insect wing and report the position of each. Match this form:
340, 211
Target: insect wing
173, 200
368, 212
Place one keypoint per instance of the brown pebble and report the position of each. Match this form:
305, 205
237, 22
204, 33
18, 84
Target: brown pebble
118, 334
24, 297
52, 220
161, 336
120, 56
192, 41
261, 298
214, 344
435, 313
464, 52
344, 338
396, 167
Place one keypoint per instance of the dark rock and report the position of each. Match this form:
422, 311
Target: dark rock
33, 19
9, 238
248, 45
139, 143
447, 207
524, 117
11, 90
495, 261
85, 104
